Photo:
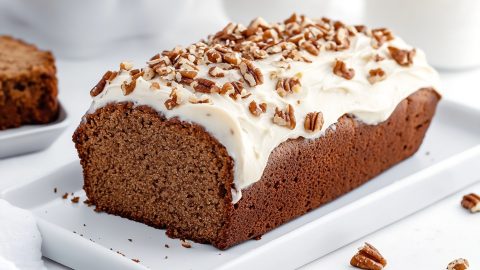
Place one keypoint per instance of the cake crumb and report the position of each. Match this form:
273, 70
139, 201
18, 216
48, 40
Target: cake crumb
75, 199
258, 237
167, 246
55, 190
185, 243
65, 196
120, 253
136, 260
166, 257
129, 239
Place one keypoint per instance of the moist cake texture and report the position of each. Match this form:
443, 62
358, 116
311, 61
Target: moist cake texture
28, 84
228, 138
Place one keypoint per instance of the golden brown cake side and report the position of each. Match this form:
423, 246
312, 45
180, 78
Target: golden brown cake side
174, 175
28, 84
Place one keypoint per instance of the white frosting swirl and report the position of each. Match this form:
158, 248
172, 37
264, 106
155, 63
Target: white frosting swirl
248, 139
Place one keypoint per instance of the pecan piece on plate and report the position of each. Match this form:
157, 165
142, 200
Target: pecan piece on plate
471, 202
458, 264
369, 258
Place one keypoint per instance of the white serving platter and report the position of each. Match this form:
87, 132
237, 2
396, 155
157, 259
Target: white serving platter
78, 237
32, 138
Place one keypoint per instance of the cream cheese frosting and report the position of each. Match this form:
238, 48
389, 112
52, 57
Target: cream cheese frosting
249, 139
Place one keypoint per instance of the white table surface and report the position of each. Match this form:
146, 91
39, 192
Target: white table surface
428, 239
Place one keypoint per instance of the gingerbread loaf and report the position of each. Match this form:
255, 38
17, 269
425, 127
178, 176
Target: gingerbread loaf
28, 84
228, 138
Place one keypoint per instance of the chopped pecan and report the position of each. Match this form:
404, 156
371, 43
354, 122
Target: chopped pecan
148, 73
126, 66
195, 100
402, 57
458, 264
214, 56
310, 47
216, 72
252, 75
341, 69
155, 86
254, 25
295, 55
205, 86
378, 58
361, 29
376, 75
255, 109
471, 202
185, 243
341, 39
235, 89
189, 74
381, 35
285, 118
172, 102
137, 74
292, 19
128, 88
231, 58
108, 76
288, 85
313, 121
368, 257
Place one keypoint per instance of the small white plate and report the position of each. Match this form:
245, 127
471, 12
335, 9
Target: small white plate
32, 138
76, 236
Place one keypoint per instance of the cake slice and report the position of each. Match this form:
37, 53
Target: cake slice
28, 84
228, 138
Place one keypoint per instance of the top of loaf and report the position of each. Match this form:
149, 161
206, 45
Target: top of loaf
18, 58
255, 87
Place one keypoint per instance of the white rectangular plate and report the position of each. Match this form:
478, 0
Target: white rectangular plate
32, 138
78, 237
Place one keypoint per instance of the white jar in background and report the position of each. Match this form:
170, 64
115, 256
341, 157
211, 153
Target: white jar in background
447, 30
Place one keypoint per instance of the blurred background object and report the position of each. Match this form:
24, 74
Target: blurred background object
349, 11
447, 30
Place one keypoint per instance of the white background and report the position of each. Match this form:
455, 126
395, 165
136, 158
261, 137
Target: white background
435, 235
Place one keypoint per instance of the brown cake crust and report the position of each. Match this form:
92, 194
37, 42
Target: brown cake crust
174, 175
28, 84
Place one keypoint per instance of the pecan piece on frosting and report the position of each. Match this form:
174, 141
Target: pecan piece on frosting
126, 66
458, 264
313, 122
471, 202
128, 88
108, 76
216, 72
154, 86
341, 69
252, 75
172, 102
205, 86
402, 57
285, 118
310, 48
376, 75
369, 258
288, 85
255, 109
381, 35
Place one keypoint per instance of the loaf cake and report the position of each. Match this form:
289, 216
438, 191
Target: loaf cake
230, 137
28, 84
